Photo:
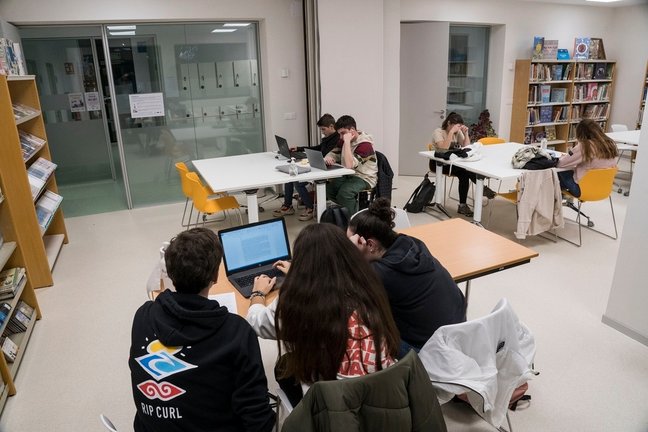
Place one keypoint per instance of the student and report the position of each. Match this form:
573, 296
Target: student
593, 150
194, 366
422, 294
453, 134
330, 137
333, 316
354, 151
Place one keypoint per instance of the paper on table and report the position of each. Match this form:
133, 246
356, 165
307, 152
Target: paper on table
228, 300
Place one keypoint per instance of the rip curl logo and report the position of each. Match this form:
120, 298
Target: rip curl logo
164, 391
161, 364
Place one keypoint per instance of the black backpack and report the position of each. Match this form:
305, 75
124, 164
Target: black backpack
336, 215
421, 197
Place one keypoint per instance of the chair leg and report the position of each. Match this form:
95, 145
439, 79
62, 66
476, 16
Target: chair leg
590, 224
184, 213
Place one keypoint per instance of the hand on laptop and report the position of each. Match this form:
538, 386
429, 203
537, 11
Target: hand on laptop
329, 160
282, 266
264, 284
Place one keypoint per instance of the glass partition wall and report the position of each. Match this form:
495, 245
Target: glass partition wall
180, 91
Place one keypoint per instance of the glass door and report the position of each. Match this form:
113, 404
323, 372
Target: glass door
71, 91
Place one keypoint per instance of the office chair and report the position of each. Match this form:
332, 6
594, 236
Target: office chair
206, 205
401, 220
399, 398
596, 185
107, 423
491, 140
182, 169
485, 359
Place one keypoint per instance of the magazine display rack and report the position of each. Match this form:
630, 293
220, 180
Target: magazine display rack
25, 161
550, 97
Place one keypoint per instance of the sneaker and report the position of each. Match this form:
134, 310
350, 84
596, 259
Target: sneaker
307, 215
283, 211
489, 193
464, 210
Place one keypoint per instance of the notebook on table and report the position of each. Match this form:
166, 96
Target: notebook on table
250, 250
284, 149
316, 160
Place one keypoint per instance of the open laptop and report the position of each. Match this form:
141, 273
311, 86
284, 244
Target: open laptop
284, 149
250, 250
316, 160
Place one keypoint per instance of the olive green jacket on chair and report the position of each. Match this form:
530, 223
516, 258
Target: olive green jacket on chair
399, 398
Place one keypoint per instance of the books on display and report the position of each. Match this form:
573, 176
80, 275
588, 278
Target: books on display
550, 49
545, 93
545, 114
29, 144
581, 48
12, 60
596, 49
10, 280
46, 206
550, 132
21, 111
538, 43
9, 349
558, 94
38, 173
600, 71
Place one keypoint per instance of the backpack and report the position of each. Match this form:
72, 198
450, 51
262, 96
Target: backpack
336, 215
421, 197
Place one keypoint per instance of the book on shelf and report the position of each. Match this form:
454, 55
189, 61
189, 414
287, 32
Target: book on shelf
20, 319
10, 280
567, 71
550, 49
592, 92
533, 94
545, 114
556, 72
5, 310
539, 136
38, 173
576, 112
558, 94
30, 144
21, 111
563, 54
600, 71
532, 116
46, 207
559, 114
545, 93
536, 52
596, 49
581, 48
528, 135
550, 132
1, 237
9, 349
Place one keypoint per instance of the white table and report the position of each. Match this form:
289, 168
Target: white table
250, 172
495, 163
626, 137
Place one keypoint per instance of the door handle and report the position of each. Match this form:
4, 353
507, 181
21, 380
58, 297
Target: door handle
440, 112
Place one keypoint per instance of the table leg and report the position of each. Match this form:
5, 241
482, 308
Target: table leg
320, 190
467, 296
252, 205
479, 194
439, 181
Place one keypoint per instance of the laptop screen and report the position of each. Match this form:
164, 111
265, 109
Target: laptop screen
282, 144
254, 245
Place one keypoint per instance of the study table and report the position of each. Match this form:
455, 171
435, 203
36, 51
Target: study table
626, 141
495, 163
250, 172
466, 250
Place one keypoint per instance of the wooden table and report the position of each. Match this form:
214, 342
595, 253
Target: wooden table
469, 251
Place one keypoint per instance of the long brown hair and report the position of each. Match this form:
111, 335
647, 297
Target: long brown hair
327, 281
594, 143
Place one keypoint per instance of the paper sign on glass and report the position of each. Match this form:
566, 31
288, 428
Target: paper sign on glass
146, 105
92, 101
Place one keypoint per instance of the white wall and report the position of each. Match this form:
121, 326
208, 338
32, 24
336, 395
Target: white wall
281, 34
626, 309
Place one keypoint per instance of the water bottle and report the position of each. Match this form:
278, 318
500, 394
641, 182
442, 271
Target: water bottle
543, 144
292, 169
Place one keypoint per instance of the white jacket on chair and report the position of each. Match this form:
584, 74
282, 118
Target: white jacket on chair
539, 203
486, 358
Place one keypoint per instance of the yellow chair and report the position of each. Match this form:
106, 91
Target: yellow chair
491, 140
204, 204
596, 185
182, 169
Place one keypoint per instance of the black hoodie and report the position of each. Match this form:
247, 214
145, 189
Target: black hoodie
196, 367
422, 294
326, 145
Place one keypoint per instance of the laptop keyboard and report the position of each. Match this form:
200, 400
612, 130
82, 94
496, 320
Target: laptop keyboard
248, 280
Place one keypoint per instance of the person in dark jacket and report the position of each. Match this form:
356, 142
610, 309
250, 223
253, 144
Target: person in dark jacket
194, 366
422, 294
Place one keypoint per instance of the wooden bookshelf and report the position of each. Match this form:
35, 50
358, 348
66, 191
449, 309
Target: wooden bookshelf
585, 91
642, 101
13, 170
23, 246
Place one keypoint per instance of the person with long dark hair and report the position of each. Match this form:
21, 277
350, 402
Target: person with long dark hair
333, 316
453, 134
422, 294
593, 150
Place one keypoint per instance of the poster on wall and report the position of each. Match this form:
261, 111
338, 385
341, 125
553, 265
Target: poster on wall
92, 101
76, 102
146, 105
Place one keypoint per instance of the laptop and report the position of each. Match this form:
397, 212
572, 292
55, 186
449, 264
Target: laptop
250, 250
284, 149
316, 160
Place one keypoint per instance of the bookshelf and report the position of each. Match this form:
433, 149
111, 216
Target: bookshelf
38, 226
642, 102
550, 97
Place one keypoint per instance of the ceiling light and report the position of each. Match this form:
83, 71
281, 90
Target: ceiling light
223, 30
122, 27
603, 1
122, 33
236, 24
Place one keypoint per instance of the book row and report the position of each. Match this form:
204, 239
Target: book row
22, 111
593, 111
547, 114
29, 144
38, 174
545, 93
17, 324
590, 92
46, 206
554, 72
596, 71
532, 136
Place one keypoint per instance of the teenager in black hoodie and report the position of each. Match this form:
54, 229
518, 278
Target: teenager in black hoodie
194, 366
422, 294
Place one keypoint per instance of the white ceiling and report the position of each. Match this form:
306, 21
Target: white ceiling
620, 3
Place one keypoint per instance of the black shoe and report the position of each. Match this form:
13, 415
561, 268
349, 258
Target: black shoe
465, 210
489, 193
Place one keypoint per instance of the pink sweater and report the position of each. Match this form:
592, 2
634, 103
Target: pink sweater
575, 161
